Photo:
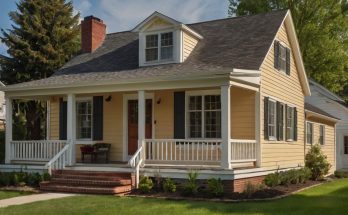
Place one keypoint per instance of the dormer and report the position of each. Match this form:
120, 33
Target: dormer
163, 40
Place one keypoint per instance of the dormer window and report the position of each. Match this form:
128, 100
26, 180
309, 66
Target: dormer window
159, 47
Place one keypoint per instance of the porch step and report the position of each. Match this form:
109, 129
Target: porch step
91, 182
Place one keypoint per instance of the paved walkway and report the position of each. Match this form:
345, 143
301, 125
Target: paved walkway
32, 198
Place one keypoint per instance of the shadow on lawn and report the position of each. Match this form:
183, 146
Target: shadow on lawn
331, 203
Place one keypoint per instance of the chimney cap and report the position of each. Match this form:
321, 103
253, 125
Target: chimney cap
91, 17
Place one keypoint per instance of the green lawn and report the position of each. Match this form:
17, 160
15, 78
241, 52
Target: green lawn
331, 198
10, 194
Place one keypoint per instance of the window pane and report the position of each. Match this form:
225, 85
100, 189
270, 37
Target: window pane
84, 120
195, 124
271, 119
212, 115
309, 133
195, 103
212, 102
321, 134
167, 39
290, 124
151, 54
167, 53
282, 58
151, 41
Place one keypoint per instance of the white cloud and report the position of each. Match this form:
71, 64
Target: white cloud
3, 49
124, 15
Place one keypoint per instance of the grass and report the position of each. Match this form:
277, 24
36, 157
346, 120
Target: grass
330, 198
10, 194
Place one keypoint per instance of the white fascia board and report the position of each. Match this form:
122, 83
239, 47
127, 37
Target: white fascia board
311, 113
153, 15
190, 31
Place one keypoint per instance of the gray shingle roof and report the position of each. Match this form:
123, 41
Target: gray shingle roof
240, 42
318, 110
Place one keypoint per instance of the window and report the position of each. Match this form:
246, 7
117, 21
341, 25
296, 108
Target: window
346, 145
309, 133
321, 134
290, 123
204, 116
84, 119
281, 57
159, 47
280, 120
272, 119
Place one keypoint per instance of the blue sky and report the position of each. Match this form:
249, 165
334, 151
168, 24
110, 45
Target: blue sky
120, 15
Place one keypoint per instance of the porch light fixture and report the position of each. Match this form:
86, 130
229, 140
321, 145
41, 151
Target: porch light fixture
108, 98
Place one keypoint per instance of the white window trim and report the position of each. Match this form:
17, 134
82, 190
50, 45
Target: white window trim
84, 99
159, 60
273, 138
286, 123
322, 125
197, 93
312, 124
283, 72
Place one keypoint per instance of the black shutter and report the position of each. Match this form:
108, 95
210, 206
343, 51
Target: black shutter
276, 54
98, 117
265, 109
286, 122
279, 121
295, 124
179, 115
63, 118
288, 61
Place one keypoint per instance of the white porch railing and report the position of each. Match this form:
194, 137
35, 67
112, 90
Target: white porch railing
243, 150
61, 159
136, 161
183, 150
36, 150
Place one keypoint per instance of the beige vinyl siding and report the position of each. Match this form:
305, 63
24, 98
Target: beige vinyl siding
189, 43
54, 118
164, 114
287, 89
329, 139
242, 113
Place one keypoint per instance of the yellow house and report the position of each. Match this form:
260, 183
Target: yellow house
225, 97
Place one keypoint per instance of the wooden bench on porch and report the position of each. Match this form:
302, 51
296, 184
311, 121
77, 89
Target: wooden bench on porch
98, 149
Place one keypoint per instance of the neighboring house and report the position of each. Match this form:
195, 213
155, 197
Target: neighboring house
337, 107
226, 97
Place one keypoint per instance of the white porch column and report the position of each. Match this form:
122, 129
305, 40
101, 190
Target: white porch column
141, 117
8, 136
258, 128
225, 127
71, 126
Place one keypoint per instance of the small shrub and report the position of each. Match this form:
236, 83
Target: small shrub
215, 187
317, 162
5, 179
272, 180
191, 187
145, 184
34, 179
46, 176
285, 178
250, 189
169, 186
340, 174
304, 174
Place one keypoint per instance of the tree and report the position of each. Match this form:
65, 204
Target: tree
322, 30
44, 36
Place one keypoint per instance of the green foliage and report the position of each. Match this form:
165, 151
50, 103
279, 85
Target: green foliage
321, 28
21, 179
215, 187
190, 188
340, 174
46, 176
145, 184
293, 176
169, 186
250, 189
317, 162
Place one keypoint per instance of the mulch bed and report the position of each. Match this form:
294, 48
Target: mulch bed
264, 194
25, 189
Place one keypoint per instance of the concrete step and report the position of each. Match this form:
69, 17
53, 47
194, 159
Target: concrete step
102, 182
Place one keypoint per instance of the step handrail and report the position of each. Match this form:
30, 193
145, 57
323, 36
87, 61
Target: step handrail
136, 161
60, 159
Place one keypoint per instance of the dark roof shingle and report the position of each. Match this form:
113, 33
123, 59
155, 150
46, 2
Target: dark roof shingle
318, 110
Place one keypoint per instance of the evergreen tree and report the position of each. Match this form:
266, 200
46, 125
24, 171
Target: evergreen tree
322, 30
44, 36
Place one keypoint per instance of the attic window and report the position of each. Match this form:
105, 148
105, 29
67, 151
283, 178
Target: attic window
159, 47
281, 57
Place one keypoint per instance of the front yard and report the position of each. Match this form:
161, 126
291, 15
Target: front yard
330, 198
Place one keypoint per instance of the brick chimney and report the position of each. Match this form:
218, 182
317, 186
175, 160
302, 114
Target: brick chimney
92, 33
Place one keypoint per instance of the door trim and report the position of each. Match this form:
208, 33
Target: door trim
127, 97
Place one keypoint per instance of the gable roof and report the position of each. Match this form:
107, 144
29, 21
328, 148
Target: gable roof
231, 43
314, 109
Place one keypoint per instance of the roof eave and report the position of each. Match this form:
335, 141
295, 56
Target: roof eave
322, 116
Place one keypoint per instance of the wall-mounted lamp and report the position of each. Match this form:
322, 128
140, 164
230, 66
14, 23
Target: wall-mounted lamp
159, 101
108, 99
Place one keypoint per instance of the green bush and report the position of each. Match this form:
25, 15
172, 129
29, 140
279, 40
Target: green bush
190, 188
272, 180
317, 162
340, 174
20, 179
250, 189
169, 186
46, 176
304, 174
215, 187
145, 184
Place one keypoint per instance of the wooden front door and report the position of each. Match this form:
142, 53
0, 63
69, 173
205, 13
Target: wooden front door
133, 124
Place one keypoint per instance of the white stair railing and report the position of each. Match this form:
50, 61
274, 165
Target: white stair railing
136, 161
61, 159
35, 150
243, 150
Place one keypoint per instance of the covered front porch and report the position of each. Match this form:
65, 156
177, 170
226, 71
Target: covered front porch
205, 126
